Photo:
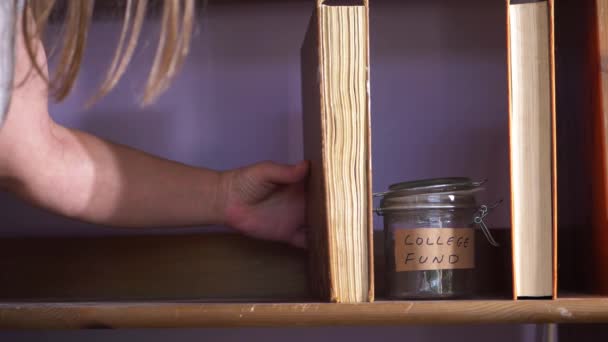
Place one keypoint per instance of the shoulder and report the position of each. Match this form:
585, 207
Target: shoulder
8, 15
24, 120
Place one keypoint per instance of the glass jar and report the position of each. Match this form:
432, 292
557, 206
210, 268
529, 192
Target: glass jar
430, 238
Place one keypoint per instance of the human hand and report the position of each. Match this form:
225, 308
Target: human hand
266, 201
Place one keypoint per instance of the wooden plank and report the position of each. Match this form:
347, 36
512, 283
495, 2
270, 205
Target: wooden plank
207, 267
194, 315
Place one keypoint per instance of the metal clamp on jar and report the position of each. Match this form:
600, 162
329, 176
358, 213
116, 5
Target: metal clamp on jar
430, 238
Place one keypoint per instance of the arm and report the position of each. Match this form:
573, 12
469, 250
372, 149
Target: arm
86, 178
83, 177
78, 175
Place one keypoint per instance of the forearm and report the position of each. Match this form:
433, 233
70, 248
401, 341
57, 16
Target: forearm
90, 179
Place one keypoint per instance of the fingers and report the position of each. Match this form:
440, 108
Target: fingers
281, 173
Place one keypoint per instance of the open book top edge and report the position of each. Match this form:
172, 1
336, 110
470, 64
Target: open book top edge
342, 2
524, 2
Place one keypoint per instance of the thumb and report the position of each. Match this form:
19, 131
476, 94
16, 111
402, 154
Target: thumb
281, 173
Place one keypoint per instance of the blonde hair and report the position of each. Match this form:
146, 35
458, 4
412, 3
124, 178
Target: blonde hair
177, 21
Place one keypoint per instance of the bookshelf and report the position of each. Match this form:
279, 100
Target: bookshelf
220, 280
161, 282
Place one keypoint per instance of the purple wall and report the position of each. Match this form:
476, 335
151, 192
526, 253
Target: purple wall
438, 97
439, 94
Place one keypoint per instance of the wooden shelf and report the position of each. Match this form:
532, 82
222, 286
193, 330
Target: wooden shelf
210, 267
150, 282
191, 315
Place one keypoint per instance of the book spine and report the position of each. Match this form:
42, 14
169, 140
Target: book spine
554, 188
313, 125
368, 162
598, 68
531, 135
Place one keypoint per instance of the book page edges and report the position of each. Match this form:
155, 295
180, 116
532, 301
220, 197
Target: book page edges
554, 212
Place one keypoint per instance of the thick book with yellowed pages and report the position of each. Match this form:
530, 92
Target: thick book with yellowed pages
336, 115
532, 147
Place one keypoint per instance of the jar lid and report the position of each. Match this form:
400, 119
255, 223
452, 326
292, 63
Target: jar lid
435, 193
436, 185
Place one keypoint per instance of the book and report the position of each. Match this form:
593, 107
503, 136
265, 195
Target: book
600, 148
336, 125
532, 152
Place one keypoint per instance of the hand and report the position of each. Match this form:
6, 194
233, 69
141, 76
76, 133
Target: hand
267, 201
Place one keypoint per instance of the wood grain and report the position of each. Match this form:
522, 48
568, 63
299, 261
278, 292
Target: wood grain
196, 315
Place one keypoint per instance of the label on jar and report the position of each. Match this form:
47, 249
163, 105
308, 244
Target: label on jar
434, 249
